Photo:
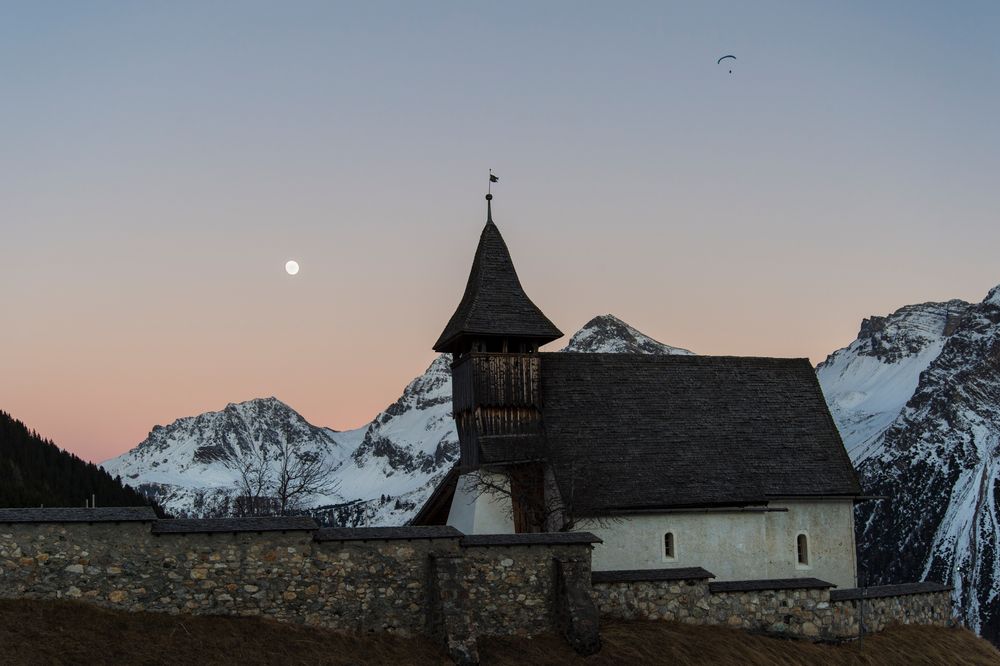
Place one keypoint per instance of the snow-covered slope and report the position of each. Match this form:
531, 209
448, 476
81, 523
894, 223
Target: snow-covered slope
869, 382
401, 454
917, 399
383, 471
182, 465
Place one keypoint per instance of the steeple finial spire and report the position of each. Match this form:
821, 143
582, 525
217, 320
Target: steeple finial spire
489, 196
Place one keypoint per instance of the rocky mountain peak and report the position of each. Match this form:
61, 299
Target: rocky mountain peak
269, 402
917, 400
607, 334
993, 298
908, 331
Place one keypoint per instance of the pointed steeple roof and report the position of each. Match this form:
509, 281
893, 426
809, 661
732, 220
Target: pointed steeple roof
494, 303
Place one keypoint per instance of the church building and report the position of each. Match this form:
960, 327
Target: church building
732, 464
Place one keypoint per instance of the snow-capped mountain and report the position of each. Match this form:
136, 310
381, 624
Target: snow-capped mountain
382, 472
917, 400
868, 383
607, 334
183, 465
401, 454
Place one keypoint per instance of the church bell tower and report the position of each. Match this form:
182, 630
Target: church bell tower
494, 337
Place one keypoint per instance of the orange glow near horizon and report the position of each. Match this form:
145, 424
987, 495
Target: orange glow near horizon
159, 168
97, 386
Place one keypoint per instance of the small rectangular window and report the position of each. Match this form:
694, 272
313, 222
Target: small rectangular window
668, 545
803, 547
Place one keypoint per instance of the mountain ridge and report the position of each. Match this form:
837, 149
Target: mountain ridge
917, 400
384, 470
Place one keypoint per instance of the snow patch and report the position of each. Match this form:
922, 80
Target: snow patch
993, 298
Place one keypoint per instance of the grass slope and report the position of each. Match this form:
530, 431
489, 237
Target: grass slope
50, 632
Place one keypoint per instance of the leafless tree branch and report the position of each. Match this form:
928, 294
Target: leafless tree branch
300, 474
263, 490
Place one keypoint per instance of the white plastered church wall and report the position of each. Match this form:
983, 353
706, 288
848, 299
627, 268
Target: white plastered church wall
473, 512
735, 545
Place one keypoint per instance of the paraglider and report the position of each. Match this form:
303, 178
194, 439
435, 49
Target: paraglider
719, 61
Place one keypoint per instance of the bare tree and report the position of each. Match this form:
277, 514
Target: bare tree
254, 481
299, 475
267, 488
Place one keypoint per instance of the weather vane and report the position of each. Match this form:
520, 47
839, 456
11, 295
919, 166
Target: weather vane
489, 196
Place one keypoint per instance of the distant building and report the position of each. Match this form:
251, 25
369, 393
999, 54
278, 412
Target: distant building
729, 463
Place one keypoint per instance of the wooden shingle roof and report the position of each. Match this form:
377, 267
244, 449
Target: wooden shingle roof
494, 302
881, 591
257, 524
529, 539
387, 533
649, 575
103, 514
629, 432
768, 584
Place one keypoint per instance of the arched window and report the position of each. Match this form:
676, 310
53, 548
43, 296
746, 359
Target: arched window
668, 546
802, 545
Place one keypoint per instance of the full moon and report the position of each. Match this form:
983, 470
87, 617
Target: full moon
292, 267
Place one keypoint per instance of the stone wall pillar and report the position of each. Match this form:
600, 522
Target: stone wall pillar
576, 613
448, 616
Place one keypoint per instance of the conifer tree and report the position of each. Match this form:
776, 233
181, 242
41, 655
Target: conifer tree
35, 472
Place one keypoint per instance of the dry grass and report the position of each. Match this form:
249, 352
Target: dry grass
673, 643
45, 632
48, 632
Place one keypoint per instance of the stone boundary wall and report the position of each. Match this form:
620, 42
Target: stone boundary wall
665, 594
410, 580
407, 580
804, 607
914, 603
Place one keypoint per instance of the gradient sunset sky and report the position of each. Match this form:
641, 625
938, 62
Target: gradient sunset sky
161, 161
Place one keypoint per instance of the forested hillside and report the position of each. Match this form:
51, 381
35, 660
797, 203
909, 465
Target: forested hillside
35, 472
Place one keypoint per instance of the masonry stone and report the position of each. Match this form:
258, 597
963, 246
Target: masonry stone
419, 581
803, 613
